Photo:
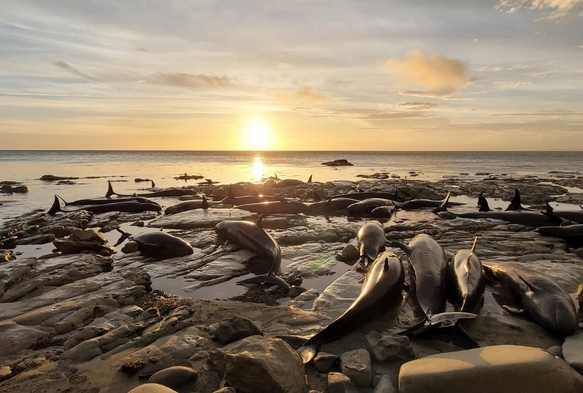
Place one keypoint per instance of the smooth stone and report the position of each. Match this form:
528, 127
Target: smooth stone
173, 377
152, 388
385, 385
340, 383
500, 369
256, 364
323, 361
236, 328
573, 351
357, 366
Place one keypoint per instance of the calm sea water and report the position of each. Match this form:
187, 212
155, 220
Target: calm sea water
94, 168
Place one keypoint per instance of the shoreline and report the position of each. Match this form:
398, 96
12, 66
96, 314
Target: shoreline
45, 312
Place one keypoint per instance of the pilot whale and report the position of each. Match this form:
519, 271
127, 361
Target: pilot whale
381, 293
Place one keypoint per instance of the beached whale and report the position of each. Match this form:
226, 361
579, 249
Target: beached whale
571, 215
466, 280
231, 199
524, 217
330, 206
371, 241
381, 294
130, 206
536, 295
158, 244
572, 234
252, 237
275, 207
414, 204
191, 205
428, 289
366, 206
169, 192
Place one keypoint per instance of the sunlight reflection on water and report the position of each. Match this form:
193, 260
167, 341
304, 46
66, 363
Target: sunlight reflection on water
258, 169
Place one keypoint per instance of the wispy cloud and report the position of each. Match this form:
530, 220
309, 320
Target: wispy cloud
559, 7
68, 67
191, 81
418, 106
304, 94
436, 75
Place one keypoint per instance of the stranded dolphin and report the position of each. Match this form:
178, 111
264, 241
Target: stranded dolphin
523, 217
381, 293
169, 192
538, 296
252, 237
158, 244
466, 279
371, 241
125, 206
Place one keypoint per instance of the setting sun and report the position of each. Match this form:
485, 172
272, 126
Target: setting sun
257, 134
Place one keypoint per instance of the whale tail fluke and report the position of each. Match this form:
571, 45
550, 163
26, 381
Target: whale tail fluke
443, 206
55, 208
307, 352
123, 237
269, 279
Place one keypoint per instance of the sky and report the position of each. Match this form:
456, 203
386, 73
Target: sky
291, 75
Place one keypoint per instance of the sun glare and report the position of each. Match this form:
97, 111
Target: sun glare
258, 169
257, 134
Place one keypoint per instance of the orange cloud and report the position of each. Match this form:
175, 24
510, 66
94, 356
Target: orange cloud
559, 7
303, 94
436, 75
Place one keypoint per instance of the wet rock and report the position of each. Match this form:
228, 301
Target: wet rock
7, 255
226, 389
340, 383
16, 337
573, 351
323, 361
501, 369
338, 162
174, 377
152, 388
385, 385
236, 328
88, 235
254, 364
385, 346
357, 366
295, 291
55, 178
5, 372
66, 246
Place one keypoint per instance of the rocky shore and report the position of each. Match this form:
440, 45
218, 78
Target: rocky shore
89, 318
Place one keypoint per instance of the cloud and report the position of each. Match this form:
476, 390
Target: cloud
506, 85
73, 70
490, 69
284, 65
559, 7
191, 81
418, 106
303, 94
436, 75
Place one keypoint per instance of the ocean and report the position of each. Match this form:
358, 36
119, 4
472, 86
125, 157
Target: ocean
92, 169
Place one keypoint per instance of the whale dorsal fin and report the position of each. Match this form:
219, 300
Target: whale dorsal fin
386, 267
110, 191
205, 204
549, 209
310, 179
316, 196
484, 207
